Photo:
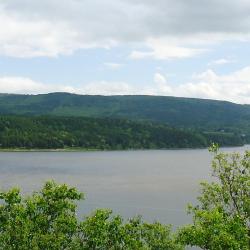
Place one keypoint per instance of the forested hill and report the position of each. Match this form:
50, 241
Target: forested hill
178, 112
102, 133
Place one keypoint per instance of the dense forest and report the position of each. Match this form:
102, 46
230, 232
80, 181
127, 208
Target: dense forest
174, 111
51, 132
63, 120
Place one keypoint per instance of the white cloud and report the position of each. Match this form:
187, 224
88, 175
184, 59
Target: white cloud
23, 85
113, 66
107, 88
233, 87
162, 86
24, 38
167, 48
222, 61
53, 27
136, 55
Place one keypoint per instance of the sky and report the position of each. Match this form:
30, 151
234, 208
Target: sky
187, 48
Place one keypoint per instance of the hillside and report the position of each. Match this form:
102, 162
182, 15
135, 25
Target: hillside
175, 111
101, 133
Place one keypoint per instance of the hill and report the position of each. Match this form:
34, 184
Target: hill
59, 120
175, 111
101, 133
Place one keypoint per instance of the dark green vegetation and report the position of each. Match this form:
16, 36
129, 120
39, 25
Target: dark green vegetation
47, 219
115, 122
175, 111
221, 220
102, 133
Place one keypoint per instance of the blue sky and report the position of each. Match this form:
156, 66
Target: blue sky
166, 47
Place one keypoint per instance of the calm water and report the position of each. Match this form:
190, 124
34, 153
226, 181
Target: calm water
155, 184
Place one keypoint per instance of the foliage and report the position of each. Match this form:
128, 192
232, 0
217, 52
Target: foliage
100, 133
48, 220
222, 219
207, 115
104, 232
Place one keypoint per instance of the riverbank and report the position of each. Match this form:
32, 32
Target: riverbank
104, 150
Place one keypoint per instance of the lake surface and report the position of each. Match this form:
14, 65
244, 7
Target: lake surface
157, 184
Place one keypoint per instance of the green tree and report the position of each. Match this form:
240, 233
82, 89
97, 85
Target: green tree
222, 218
102, 231
47, 220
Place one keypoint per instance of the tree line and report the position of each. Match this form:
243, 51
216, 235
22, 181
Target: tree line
50, 132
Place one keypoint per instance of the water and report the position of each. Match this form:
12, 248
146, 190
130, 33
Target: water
157, 184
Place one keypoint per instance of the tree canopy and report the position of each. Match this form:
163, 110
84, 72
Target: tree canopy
46, 132
221, 220
47, 219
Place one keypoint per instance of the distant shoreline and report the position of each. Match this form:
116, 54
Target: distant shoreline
103, 150
49, 150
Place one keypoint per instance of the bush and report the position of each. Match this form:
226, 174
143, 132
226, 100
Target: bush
222, 218
47, 220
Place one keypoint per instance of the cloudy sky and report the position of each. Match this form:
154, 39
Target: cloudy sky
191, 48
